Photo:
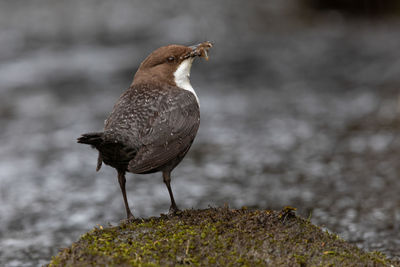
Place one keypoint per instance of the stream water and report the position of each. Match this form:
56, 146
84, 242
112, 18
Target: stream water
295, 111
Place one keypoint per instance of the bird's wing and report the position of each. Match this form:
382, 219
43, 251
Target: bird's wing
130, 120
170, 133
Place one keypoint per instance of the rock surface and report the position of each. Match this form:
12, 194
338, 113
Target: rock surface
217, 237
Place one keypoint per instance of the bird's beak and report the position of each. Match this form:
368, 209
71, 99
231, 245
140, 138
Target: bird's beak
200, 50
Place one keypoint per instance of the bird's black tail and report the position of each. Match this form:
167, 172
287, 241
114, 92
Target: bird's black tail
93, 139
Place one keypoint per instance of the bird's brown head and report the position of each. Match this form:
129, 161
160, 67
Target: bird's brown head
170, 64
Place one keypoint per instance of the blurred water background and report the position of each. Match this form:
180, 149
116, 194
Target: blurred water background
299, 101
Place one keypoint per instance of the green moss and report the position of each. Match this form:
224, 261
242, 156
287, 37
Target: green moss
217, 237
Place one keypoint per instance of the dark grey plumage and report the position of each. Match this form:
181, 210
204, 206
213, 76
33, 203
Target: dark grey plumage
150, 129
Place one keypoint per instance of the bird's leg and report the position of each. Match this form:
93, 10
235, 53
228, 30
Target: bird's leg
167, 180
122, 181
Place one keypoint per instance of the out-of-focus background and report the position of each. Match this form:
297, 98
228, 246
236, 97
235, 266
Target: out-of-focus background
299, 101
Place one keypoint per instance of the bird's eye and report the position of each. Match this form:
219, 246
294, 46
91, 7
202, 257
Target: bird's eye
171, 59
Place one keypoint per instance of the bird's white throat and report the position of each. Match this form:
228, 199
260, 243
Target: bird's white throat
182, 75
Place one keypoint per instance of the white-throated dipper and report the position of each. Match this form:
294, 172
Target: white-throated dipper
154, 122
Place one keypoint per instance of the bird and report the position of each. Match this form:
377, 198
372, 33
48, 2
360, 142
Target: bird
154, 122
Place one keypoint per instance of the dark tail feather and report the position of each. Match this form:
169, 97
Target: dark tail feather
93, 139
99, 162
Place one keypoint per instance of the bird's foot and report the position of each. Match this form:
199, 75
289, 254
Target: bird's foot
173, 210
130, 218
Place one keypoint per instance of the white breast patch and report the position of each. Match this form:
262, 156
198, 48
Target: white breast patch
182, 75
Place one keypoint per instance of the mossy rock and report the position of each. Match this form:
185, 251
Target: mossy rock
217, 237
